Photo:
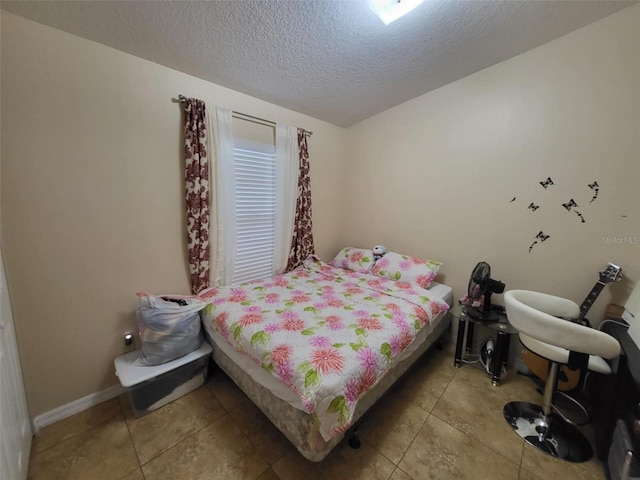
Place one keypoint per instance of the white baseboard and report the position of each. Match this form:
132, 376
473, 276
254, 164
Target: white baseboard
76, 406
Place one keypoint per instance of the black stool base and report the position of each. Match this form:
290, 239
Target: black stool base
563, 440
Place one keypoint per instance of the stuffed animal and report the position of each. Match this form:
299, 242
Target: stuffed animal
378, 252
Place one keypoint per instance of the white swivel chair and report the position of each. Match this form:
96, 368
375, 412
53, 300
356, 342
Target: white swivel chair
535, 316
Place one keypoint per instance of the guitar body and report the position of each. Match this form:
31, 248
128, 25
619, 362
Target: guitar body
568, 378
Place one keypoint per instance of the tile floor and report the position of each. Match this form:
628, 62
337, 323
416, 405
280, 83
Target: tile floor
439, 423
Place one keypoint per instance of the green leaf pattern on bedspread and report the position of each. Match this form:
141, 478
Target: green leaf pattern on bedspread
329, 334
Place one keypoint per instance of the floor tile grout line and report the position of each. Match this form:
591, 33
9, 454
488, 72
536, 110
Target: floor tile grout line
456, 372
414, 436
429, 413
404, 472
111, 418
395, 467
181, 441
129, 473
266, 460
413, 440
521, 454
33, 454
135, 449
476, 440
378, 451
520, 471
470, 436
442, 393
211, 390
228, 412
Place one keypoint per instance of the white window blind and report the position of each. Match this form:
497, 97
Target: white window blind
255, 178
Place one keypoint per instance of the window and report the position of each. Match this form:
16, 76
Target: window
255, 176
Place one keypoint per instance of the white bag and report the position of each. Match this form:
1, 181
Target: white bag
169, 327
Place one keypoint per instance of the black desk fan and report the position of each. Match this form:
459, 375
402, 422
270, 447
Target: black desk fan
481, 283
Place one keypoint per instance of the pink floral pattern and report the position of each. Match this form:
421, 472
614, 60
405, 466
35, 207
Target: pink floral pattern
197, 193
356, 259
327, 360
409, 270
330, 349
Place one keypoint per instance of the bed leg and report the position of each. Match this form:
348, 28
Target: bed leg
354, 441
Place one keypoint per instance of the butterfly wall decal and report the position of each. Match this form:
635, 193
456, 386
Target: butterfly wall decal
547, 183
596, 188
571, 204
540, 236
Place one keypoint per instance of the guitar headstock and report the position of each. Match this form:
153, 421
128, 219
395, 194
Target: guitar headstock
613, 273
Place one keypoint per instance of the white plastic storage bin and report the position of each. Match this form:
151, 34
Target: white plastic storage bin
151, 387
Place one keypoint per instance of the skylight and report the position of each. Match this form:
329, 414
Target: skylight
391, 10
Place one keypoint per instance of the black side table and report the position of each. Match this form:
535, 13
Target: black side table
504, 331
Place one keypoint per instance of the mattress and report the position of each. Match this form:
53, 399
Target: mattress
298, 426
280, 390
327, 333
284, 407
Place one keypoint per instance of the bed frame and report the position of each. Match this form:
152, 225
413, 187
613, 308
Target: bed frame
297, 425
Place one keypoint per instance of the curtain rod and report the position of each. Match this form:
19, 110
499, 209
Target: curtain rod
244, 116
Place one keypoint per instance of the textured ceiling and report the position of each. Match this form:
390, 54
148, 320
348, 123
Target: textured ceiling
333, 60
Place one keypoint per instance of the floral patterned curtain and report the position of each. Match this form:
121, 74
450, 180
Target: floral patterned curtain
197, 193
302, 242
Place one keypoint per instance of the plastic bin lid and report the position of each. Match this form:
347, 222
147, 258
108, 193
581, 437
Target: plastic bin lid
131, 372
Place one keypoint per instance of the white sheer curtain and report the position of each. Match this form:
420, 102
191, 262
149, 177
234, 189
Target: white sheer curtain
287, 158
223, 209
220, 146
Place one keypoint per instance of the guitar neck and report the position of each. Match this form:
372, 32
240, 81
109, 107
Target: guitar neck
588, 302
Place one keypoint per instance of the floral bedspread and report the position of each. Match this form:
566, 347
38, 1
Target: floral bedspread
329, 334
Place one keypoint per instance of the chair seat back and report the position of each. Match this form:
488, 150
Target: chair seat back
536, 315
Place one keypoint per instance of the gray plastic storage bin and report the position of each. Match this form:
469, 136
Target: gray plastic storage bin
151, 387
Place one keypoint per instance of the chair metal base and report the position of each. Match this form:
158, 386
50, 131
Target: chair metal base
550, 434
570, 409
567, 406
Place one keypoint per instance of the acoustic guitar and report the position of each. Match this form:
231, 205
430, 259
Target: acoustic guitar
568, 378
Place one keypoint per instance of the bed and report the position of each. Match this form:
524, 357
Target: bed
316, 347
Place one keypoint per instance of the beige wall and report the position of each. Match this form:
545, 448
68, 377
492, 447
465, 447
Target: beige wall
434, 177
92, 196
